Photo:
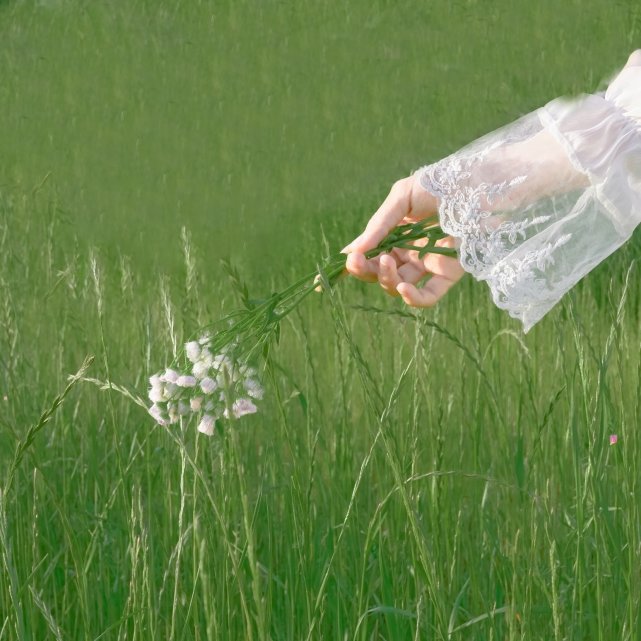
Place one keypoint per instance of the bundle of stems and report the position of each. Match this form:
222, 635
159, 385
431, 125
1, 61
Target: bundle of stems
215, 378
258, 323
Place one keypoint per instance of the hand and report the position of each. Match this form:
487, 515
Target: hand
399, 271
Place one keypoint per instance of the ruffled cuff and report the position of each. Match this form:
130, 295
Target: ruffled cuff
535, 205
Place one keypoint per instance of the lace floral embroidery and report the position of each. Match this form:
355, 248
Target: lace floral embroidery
486, 240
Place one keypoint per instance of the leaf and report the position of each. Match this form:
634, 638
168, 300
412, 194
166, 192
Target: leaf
238, 283
444, 251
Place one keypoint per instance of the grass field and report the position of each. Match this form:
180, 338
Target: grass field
438, 475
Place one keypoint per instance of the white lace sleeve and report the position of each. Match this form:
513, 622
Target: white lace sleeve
535, 205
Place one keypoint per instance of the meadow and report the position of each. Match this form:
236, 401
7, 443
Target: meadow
412, 474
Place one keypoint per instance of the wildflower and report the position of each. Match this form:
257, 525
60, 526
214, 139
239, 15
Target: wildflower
192, 349
241, 407
158, 414
172, 411
254, 389
186, 381
206, 425
206, 357
170, 376
200, 369
208, 385
216, 382
157, 394
157, 391
613, 439
171, 391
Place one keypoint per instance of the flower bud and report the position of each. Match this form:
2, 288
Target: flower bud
192, 350
200, 369
186, 381
208, 385
157, 394
170, 376
206, 425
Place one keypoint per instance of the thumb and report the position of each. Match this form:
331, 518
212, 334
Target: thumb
392, 211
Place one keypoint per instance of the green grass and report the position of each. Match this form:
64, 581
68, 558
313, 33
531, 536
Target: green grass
434, 475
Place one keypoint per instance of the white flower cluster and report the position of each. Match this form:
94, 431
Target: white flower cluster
204, 391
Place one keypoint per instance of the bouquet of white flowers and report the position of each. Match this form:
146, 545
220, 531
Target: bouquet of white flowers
216, 379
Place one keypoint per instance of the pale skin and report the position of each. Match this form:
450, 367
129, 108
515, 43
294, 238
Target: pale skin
400, 271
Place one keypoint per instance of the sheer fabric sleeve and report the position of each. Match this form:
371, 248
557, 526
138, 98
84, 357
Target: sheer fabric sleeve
537, 204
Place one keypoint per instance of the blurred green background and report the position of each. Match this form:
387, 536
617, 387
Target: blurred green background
256, 123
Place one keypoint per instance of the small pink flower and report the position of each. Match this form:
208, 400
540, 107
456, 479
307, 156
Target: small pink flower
208, 385
170, 376
157, 412
186, 381
613, 439
207, 424
241, 407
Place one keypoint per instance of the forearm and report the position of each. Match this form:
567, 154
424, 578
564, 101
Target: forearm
547, 167
538, 203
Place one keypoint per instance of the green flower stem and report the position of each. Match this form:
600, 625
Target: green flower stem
253, 327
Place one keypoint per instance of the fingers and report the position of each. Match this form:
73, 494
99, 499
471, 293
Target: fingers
398, 273
391, 212
445, 270
400, 281
412, 272
428, 295
385, 270
357, 265
440, 265
388, 275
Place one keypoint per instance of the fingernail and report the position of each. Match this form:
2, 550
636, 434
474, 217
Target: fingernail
350, 246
